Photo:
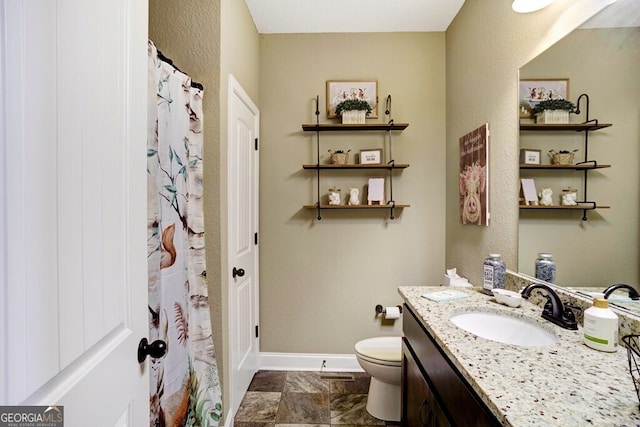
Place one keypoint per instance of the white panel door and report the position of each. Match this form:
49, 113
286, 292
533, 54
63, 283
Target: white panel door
243, 247
73, 293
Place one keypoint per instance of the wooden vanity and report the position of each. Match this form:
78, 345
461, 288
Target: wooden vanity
452, 377
427, 372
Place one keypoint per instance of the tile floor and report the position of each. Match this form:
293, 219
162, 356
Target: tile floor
318, 399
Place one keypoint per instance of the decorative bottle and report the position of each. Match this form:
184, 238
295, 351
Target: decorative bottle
494, 272
546, 268
601, 326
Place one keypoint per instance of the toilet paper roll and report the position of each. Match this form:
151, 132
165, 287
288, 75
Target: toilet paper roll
392, 313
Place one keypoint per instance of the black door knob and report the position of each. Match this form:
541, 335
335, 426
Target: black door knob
238, 272
156, 349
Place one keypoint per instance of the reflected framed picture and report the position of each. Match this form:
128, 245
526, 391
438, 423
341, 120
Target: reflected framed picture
529, 156
371, 156
532, 91
341, 90
528, 192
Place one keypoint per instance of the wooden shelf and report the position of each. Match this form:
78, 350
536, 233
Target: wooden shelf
354, 166
391, 167
585, 167
357, 206
564, 127
574, 167
340, 127
588, 207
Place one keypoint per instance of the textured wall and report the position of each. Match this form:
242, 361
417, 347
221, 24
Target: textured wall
208, 40
189, 34
320, 280
487, 43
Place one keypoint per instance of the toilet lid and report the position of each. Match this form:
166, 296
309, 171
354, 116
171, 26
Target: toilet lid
387, 349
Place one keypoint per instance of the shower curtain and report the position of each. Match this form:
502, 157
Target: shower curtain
185, 386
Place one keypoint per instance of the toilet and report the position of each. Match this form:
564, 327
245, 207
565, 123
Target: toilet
381, 358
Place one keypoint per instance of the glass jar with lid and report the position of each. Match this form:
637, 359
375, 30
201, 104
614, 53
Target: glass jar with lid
494, 273
546, 267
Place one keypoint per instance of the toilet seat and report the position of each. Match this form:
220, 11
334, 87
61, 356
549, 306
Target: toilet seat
381, 350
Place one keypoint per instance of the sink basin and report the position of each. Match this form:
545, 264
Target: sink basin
504, 328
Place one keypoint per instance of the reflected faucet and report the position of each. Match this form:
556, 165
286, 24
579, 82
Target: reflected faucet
633, 293
554, 310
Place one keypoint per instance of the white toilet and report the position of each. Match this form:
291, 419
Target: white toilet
381, 358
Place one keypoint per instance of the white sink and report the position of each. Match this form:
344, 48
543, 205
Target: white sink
504, 328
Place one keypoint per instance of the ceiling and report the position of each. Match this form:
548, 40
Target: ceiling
352, 16
622, 13
380, 16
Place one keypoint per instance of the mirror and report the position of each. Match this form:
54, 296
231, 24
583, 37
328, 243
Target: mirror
600, 59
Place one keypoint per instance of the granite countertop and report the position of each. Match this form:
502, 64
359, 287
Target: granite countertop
563, 384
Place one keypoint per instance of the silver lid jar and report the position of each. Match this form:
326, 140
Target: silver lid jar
546, 267
494, 273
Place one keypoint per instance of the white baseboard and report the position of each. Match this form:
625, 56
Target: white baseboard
309, 362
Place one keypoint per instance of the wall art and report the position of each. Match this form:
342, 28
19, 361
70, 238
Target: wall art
340, 90
532, 91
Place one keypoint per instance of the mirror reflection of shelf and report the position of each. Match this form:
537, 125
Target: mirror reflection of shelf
564, 127
580, 207
574, 167
586, 127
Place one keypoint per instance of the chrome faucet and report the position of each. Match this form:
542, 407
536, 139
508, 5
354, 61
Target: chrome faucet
633, 293
554, 310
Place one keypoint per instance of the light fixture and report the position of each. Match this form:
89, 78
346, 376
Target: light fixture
526, 6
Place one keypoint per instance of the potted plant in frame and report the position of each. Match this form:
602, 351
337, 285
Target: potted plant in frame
553, 111
353, 111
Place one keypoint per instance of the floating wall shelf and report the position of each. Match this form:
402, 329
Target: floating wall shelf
390, 166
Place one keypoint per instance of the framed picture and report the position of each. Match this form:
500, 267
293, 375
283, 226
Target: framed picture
474, 177
532, 91
376, 191
371, 156
340, 90
529, 156
528, 193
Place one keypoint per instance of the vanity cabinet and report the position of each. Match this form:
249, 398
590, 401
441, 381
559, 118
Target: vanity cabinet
434, 393
390, 166
421, 407
584, 167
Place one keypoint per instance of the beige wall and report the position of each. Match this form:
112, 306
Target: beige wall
208, 40
320, 280
486, 45
604, 249
189, 34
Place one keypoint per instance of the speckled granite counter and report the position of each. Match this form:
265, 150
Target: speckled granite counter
564, 384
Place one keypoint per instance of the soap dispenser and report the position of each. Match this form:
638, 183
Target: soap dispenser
601, 326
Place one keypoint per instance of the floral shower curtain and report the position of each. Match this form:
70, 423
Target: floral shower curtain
185, 387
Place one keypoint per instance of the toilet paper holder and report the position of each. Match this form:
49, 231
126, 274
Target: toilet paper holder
381, 310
